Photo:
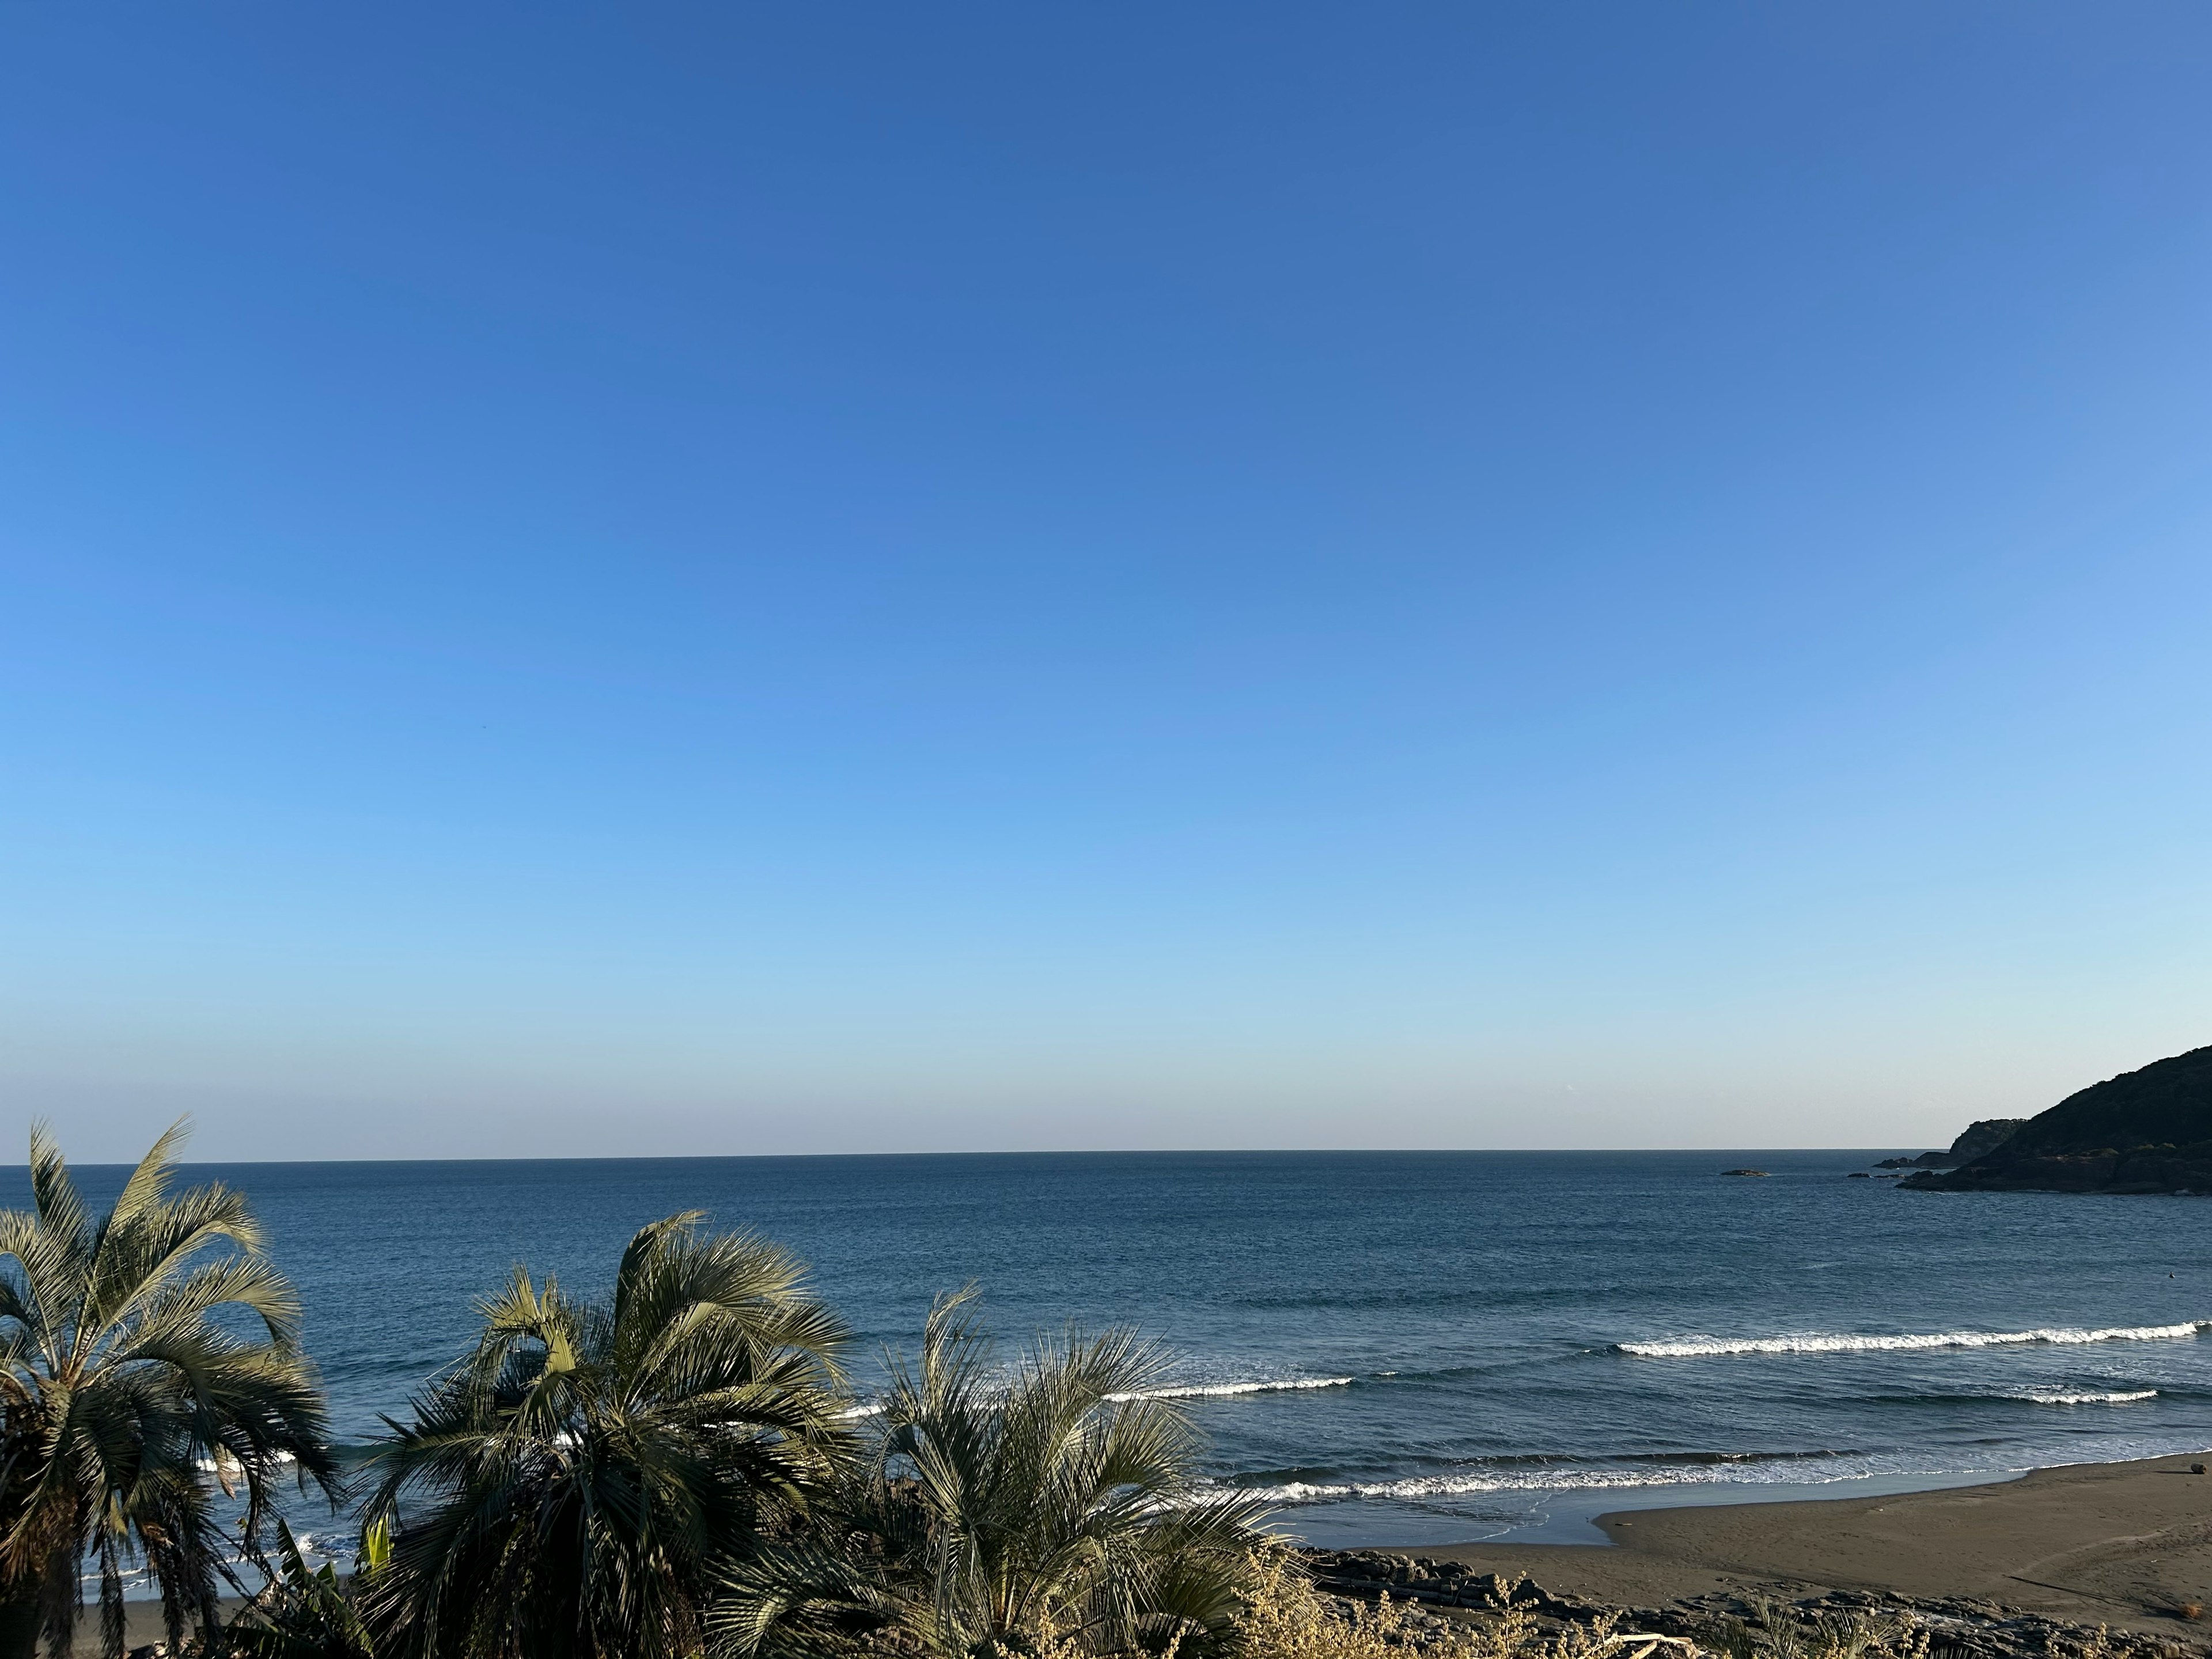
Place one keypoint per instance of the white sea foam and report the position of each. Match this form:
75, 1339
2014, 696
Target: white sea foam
208, 1465
1215, 1391
1471, 1484
2117, 1397
851, 1411
1821, 1342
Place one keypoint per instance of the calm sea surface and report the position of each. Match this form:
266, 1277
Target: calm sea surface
1396, 1347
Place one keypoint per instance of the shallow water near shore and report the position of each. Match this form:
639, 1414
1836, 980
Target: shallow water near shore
1391, 1347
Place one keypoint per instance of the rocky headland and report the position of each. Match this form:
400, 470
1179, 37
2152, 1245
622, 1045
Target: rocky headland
2147, 1131
1985, 1136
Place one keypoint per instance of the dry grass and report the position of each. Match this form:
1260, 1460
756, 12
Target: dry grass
1287, 1619
1776, 1633
1771, 1634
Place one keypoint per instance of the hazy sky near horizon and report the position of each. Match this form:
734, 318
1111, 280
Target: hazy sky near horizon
713, 578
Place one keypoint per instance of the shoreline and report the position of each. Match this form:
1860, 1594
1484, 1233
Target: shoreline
2127, 1544
2122, 1545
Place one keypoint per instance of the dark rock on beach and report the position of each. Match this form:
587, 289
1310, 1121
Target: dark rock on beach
1438, 1594
2147, 1130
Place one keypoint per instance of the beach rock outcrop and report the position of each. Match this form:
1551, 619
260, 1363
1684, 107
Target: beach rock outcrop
1441, 1593
2147, 1131
1363, 1575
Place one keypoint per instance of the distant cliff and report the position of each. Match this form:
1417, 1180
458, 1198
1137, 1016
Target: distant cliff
2142, 1132
1980, 1137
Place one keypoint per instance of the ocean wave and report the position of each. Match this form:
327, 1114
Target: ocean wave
1469, 1484
1217, 1390
2117, 1397
211, 1466
872, 1410
1820, 1342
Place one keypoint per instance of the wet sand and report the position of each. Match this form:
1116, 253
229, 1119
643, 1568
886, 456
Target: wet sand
2122, 1544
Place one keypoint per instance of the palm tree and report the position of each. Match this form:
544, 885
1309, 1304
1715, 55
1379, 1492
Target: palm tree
1054, 1510
570, 1488
124, 1400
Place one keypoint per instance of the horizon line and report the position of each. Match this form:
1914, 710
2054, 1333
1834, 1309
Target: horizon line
1160, 1152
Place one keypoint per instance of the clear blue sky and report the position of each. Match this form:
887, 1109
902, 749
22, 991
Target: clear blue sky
719, 579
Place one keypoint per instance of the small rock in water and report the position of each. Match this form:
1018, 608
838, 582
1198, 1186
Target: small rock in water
1743, 1172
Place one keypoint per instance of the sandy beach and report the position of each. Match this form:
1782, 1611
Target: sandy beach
2122, 1544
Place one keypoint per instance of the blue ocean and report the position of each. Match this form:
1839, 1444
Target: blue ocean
1394, 1347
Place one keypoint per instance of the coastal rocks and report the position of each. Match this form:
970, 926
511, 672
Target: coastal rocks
2105, 1170
1985, 1135
1366, 1574
1438, 1593
1955, 1627
1744, 1172
2147, 1131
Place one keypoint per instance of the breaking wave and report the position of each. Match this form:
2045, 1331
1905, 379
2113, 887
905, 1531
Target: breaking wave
1216, 1390
215, 1466
1474, 1483
1817, 1342
2117, 1397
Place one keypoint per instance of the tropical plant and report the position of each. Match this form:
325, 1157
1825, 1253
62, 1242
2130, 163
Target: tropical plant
304, 1613
1055, 1509
127, 1399
569, 1490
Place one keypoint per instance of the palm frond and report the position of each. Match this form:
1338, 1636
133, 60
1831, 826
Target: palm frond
126, 1400
137, 1261
572, 1484
1050, 1503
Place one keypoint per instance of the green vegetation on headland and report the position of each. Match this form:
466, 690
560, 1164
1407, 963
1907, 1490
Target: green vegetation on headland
2147, 1131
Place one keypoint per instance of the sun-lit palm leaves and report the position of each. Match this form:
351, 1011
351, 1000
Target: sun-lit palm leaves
125, 1399
571, 1487
1058, 1504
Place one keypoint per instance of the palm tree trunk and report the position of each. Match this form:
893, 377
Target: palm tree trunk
19, 1626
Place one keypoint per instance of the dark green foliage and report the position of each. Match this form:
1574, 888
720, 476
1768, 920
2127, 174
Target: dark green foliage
2167, 1103
2144, 1131
571, 1489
